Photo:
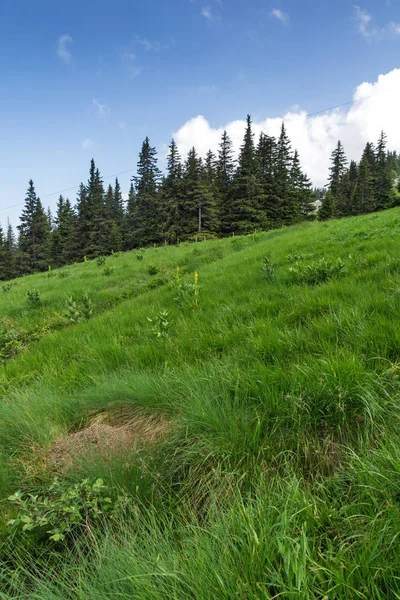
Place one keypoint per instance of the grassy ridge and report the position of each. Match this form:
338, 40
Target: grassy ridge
280, 376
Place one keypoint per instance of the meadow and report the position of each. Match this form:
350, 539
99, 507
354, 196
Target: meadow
250, 390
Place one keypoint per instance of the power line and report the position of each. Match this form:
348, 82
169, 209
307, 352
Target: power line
309, 115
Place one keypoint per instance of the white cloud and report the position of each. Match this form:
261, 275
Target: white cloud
364, 22
86, 143
206, 12
62, 48
375, 109
128, 55
101, 109
367, 28
281, 16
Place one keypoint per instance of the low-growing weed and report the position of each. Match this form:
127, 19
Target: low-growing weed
65, 509
317, 272
152, 270
33, 298
161, 325
100, 261
268, 268
6, 287
108, 271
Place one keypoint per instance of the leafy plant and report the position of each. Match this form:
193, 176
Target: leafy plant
188, 292
100, 261
139, 256
76, 313
65, 509
152, 270
6, 287
33, 298
161, 324
63, 273
108, 271
318, 271
268, 268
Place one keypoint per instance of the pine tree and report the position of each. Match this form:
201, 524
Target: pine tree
191, 218
83, 224
145, 213
246, 190
64, 247
34, 233
266, 157
171, 200
363, 198
3, 256
10, 253
383, 176
337, 172
225, 172
348, 184
99, 224
283, 166
113, 219
327, 209
301, 196
129, 220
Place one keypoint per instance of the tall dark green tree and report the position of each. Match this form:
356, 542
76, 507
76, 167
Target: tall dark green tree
301, 195
246, 190
266, 158
225, 172
145, 214
348, 184
283, 165
34, 234
383, 176
338, 169
64, 245
171, 198
363, 198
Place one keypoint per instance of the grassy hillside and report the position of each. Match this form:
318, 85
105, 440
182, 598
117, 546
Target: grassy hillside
252, 387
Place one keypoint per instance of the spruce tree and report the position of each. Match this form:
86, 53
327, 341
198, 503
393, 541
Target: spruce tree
301, 195
129, 223
171, 198
266, 157
64, 246
348, 184
145, 213
283, 166
337, 172
383, 176
363, 198
225, 172
246, 190
10, 253
34, 233
83, 223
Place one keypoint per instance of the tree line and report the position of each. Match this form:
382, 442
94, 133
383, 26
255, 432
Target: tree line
264, 188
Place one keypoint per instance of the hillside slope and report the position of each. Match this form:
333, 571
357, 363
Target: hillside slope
259, 376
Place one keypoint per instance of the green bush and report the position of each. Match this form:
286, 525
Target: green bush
317, 272
33, 298
64, 509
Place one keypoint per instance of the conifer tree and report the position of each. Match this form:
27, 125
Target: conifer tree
145, 211
83, 225
266, 156
34, 233
283, 165
348, 184
337, 172
171, 198
363, 198
64, 248
225, 172
10, 253
383, 176
246, 190
301, 196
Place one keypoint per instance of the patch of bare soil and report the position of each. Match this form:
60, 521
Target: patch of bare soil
108, 435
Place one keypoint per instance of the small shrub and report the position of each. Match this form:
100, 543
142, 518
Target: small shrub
293, 257
76, 313
6, 287
156, 282
100, 261
268, 268
317, 272
139, 256
161, 325
115, 254
187, 293
33, 298
65, 510
108, 271
63, 273
87, 310
73, 313
152, 270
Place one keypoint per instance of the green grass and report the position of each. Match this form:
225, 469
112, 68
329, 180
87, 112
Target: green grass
280, 475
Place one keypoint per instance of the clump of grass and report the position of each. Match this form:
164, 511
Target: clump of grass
33, 298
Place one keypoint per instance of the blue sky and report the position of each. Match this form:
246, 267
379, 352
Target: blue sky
83, 79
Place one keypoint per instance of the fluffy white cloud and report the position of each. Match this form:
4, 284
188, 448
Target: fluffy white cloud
63, 50
281, 16
375, 109
367, 28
